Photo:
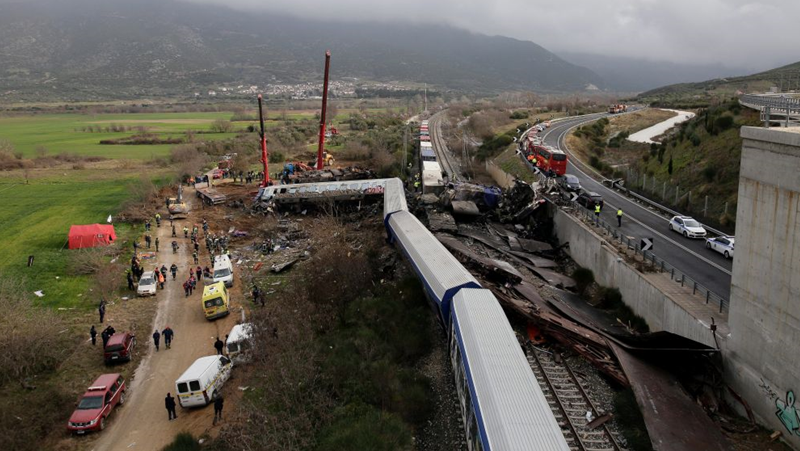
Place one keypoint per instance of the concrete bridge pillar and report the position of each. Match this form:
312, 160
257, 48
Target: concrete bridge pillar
763, 352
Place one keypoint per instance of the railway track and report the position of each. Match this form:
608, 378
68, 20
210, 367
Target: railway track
569, 402
446, 160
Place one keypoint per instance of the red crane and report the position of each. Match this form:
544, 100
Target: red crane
321, 147
264, 158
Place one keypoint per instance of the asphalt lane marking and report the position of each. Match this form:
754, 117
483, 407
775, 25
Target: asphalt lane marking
687, 250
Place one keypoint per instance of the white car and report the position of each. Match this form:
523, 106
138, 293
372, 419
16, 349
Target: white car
687, 227
147, 284
722, 244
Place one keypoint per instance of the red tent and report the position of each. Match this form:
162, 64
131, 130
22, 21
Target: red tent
91, 235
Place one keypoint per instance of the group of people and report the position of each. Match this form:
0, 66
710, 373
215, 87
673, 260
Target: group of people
134, 274
167, 333
248, 177
104, 335
216, 244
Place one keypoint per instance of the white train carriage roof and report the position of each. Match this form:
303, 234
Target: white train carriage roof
394, 197
441, 273
512, 411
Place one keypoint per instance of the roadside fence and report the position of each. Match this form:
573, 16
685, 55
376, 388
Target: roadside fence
651, 259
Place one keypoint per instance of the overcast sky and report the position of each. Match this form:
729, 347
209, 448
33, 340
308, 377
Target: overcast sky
737, 33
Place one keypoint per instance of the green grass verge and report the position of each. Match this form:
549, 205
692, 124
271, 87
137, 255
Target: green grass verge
36, 221
510, 162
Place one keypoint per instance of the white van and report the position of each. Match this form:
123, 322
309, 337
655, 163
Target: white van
200, 383
238, 343
223, 270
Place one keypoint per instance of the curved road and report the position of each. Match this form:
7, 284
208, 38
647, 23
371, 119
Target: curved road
707, 267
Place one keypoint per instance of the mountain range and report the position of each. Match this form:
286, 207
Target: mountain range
87, 49
625, 74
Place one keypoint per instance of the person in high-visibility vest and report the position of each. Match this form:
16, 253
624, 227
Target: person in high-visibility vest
619, 217
597, 212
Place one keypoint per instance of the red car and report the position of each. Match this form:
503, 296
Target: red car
119, 348
216, 174
97, 403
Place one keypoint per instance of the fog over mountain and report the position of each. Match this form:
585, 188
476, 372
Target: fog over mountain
107, 48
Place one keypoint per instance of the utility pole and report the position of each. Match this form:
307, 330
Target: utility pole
426, 97
405, 151
321, 147
264, 157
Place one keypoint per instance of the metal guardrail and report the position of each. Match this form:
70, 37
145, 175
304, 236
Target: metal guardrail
657, 263
592, 172
656, 205
648, 257
770, 106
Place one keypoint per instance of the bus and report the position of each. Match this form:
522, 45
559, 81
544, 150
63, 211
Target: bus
548, 158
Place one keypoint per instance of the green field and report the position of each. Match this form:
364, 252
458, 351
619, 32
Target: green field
65, 132
36, 221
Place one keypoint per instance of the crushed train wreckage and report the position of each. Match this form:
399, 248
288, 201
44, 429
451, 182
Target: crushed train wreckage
502, 236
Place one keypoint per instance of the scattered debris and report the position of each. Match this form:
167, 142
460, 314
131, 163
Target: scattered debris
465, 208
674, 421
276, 268
599, 421
39, 293
442, 222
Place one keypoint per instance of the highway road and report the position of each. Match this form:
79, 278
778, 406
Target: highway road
690, 256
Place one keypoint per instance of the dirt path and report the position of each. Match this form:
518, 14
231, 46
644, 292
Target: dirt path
142, 423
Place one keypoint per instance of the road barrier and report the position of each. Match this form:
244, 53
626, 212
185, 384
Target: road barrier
786, 107
650, 258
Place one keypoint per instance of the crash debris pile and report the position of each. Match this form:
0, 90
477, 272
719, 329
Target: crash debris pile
506, 246
298, 175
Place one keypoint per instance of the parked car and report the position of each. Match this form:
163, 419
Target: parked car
569, 182
721, 244
200, 384
589, 199
687, 227
97, 403
147, 284
216, 174
119, 348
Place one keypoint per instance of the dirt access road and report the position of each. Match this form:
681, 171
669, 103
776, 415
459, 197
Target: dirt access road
141, 424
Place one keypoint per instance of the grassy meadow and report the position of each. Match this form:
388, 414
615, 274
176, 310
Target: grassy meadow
65, 132
36, 221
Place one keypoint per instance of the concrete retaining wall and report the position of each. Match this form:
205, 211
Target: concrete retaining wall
641, 292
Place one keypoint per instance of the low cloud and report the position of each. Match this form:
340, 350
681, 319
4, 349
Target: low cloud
739, 33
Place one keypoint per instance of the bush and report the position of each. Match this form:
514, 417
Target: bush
221, 126
183, 442
26, 350
521, 114
276, 157
723, 122
710, 172
354, 151
584, 277
364, 427
695, 139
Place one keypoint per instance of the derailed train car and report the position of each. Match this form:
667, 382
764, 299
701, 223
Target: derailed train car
502, 406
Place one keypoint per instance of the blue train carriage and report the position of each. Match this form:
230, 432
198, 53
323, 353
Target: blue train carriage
502, 406
441, 274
